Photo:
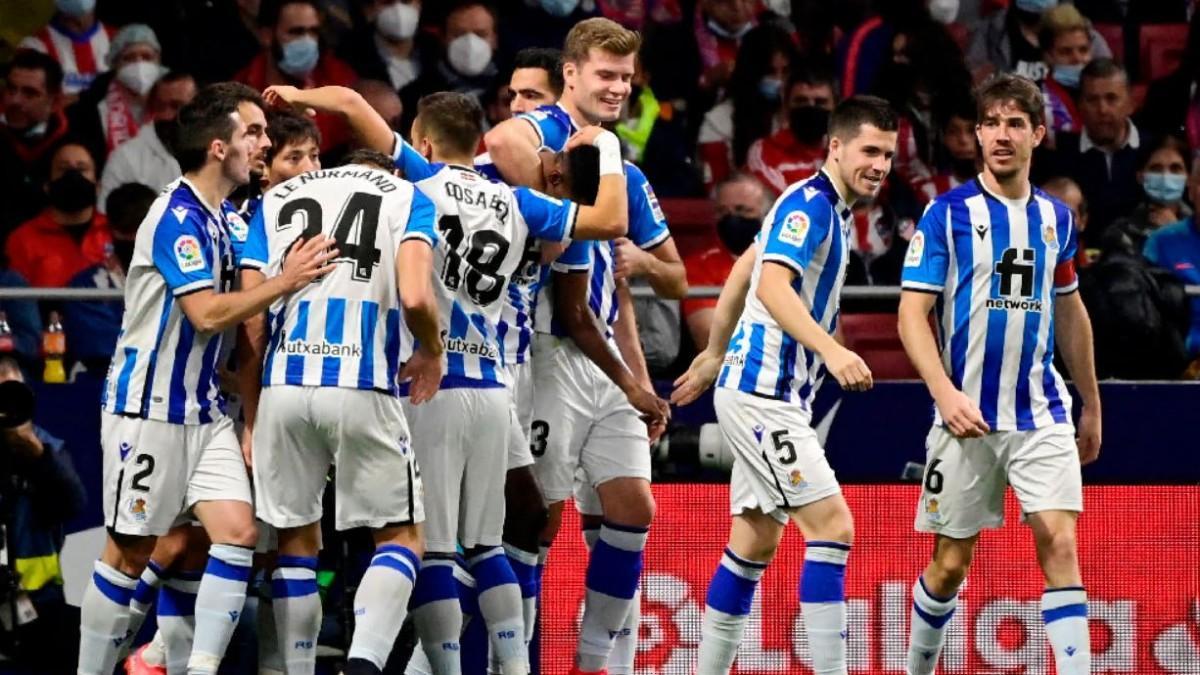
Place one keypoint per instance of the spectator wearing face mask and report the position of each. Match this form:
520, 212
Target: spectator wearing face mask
1103, 156
293, 55
69, 234
77, 41
720, 27
465, 64
1163, 175
388, 46
93, 326
147, 159
1008, 41
33, 125
1176, 248
1066, 43
753, 108
115, 107
797, 151
740, 202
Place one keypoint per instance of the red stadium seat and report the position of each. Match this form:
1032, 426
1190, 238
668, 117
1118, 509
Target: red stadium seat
874, 337
1162, 48
1138, 95
1114, 35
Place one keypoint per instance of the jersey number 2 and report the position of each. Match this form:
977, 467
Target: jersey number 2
361, 209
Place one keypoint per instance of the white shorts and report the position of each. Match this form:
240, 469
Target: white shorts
520, 389
778, 462
581, 421
154, 471
300, 431
963, 489
460, 438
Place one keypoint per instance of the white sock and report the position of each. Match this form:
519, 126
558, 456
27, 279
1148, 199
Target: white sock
726, 610
1064, 611
613, 573
437, 615
625, 646
177, 619
219, 605
823, 603
155, 653
524, 565
418, 663
499, 598
270, 659
103, 619
296, 605
139, 604
381, 602
930, 616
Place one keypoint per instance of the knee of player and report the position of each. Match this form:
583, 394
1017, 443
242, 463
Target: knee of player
637, 510
129, 554
1057, 545
239, 534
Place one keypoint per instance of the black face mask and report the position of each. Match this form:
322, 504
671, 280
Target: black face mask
123, 249
737, 232
71, 192
808, 123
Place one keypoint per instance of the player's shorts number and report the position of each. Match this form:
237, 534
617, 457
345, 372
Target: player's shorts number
146, 462
933, 478
486, 250
786, 449
361, 209
537, 440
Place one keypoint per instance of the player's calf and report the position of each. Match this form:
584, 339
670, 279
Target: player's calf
935, 598
1064, 603
828, 529
104, 611
381, 602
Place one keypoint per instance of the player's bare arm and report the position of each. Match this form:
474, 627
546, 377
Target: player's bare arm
1073, 330
570, 297
704, 368
630, 345
209, 311
661, 267
513, 147
961, 414
251, 349
414, 272
793, 316
371, 130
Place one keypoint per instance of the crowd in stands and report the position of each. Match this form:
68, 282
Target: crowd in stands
730, 104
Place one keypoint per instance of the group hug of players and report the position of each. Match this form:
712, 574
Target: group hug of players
459, 341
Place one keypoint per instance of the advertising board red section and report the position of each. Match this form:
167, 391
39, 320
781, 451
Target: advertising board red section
1139, 547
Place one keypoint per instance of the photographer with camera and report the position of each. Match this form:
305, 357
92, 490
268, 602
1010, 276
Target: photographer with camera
39, 491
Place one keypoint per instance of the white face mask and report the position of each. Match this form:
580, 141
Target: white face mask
139, 76
398, 21
943, 11
469, 54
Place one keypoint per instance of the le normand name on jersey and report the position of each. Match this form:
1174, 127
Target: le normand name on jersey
383, 181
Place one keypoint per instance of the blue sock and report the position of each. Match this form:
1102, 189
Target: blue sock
177, 618
219, 605
613, 573
727, 607
525, 567
501, 608
823, 604
437, 615
296, 604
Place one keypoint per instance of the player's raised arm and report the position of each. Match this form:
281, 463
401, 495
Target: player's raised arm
704, 368
608, 217
513, 146
371, 130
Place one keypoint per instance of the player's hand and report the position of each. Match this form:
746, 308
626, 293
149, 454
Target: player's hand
424, 374
656, 430
586, 136
306, 261
282, 96
628, 260
1089, 434
654, 410
960, 414
698, 378
848, 368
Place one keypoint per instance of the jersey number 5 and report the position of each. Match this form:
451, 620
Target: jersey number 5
361, 210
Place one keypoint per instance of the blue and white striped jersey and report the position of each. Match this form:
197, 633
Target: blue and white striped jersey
807, 230
163, 368
647, 230
343, 330
997, 265
483, 229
